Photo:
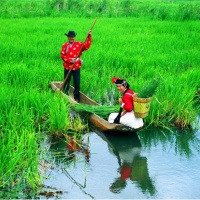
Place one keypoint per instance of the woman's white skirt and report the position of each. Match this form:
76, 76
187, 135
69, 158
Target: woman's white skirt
128, 119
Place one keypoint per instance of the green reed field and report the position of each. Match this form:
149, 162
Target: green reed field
137, 41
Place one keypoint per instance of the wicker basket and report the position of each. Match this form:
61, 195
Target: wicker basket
141, 106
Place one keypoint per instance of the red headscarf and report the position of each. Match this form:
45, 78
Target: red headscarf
114, 79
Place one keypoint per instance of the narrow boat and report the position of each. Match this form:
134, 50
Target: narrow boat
94, 119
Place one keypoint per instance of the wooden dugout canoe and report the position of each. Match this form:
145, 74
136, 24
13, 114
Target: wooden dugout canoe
94, 119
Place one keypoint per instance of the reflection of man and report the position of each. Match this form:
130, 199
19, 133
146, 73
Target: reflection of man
76, 146
131, 165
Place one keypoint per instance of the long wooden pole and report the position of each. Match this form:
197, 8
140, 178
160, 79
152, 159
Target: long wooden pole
76, 57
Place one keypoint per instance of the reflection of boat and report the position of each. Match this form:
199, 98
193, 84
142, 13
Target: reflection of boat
96, 120
119, 143
132, 165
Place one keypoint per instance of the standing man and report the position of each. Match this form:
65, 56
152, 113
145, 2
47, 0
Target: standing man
71, 53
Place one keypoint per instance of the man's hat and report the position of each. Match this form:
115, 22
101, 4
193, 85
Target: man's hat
70, 34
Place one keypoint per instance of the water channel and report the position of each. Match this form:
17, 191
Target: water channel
152, 164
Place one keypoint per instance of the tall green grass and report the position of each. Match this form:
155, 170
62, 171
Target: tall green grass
28, 110
19, 163
161, 10
137, 49
60, 121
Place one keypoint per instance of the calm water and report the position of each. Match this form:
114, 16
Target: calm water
149, 164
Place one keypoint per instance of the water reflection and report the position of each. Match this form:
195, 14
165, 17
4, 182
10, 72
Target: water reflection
132, 166
67, 150
129, 166
67, 153
81, 146
183, 142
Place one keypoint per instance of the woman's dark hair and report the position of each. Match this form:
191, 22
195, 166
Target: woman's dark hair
122, 82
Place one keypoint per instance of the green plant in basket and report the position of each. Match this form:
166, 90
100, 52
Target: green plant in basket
142, 100
148, 89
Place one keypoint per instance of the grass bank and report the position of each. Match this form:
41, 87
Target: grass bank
135, 48
153, 9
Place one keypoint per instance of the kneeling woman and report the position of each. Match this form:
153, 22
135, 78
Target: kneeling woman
127, 116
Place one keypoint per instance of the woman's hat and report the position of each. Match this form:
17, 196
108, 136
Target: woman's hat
70, 34
117, 81
114, 79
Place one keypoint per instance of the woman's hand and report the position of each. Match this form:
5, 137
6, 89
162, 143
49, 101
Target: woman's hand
120, 100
